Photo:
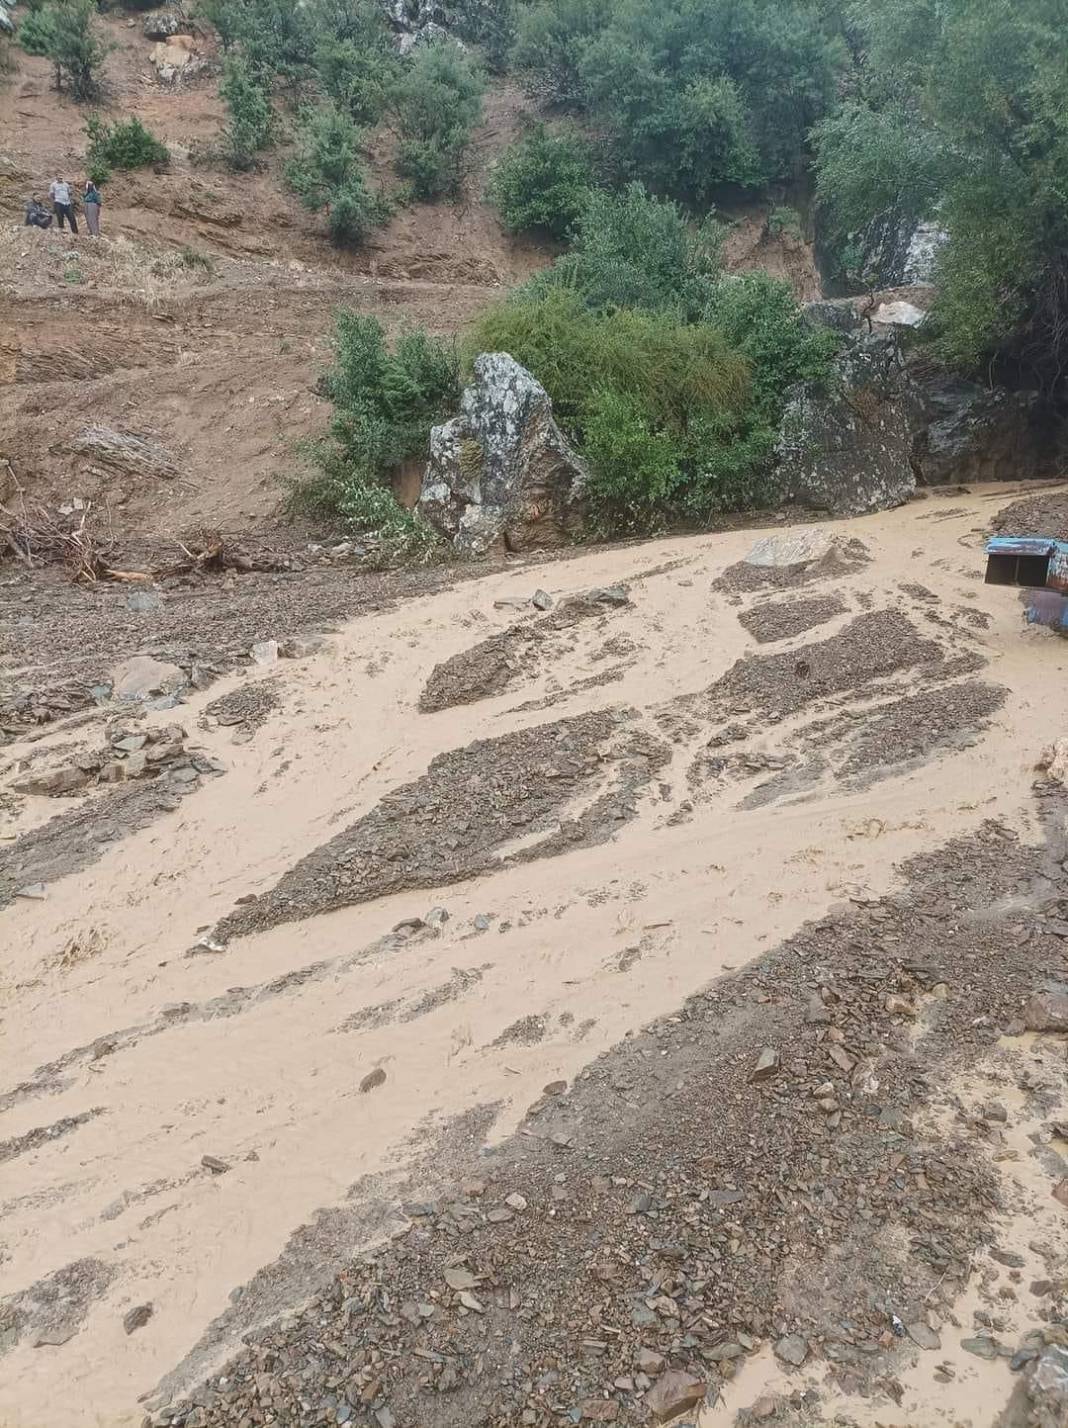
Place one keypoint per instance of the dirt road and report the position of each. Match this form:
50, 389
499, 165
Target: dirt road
479, 893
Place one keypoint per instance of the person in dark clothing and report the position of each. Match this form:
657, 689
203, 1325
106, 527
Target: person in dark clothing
37, 216
63, 203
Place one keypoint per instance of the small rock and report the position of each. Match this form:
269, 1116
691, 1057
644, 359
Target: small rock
723, 1352
1021, 1358
459, 1278
264, 652
673, 1393
923, 1335
767, 1064
136, 1318
384, 1418
436, 917
373, 1080
214, 1164
139, 678
981, 1347
53, 1338
764, 1408
35, 892
600, 1410
1047, 1011
516, 1201
299, 647
792, 1349
144, 602
499, 1216
649, 1361
899, 1006
470, 1302
542, 600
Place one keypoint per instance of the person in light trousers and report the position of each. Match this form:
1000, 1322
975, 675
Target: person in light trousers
91, 202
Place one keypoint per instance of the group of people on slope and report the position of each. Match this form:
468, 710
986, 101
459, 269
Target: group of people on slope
63, 207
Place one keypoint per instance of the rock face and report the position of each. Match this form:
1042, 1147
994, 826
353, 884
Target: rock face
163, 24
846, 449
890, 419
503, 471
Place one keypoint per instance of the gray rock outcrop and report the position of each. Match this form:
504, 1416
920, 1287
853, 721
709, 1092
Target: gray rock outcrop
163, 24
846, 448
503, 471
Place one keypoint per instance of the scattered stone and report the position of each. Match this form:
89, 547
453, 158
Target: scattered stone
1047, 1011
982, 1347
673, 1393
137, 679
542, 600
1048, 1388
459, 1278
300, 647
600, 1410
33, 892
649, 1361
136, 1318
516, 1201
214, 1164
264, 652
792, 1349
764, 1408
470, 1302
373, 1080
923, 1335
768, 1064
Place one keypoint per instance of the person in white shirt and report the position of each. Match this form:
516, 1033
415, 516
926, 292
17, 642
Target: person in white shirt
63, 203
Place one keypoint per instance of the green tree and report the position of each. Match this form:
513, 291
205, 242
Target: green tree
436, 103
65, 32
276, 37
542, 183
982, 81
327, 172
251, 123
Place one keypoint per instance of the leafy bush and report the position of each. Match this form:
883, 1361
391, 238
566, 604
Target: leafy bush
357, 76
64, 31
385, 403
760, 318
551, 40
785, 222
435, 104
327, 172
634, 468
276, 37
251, 123
671, 369
543, 181
633, 250
489, 24
125, 145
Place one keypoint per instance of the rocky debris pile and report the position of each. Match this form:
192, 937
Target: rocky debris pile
496, 663
130, 753
503, 472
130, 452
1044, 514
453, 822
785, 619
670, 1215
244, 709
791, 559
872, 647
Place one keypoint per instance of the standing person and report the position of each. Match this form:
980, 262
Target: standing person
92, 202
63, 203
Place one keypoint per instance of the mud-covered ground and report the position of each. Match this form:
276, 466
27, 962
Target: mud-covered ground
599, 990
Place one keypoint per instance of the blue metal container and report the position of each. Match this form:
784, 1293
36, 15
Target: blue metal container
1038, 565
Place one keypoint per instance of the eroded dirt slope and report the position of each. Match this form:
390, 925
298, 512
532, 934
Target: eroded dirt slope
651, 1002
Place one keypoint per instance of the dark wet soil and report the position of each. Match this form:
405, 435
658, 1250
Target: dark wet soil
786, 618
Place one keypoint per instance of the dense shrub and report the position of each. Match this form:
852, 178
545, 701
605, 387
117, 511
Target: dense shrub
124, 145
634, 250
327, 172
251, 123
694, 94
435, 103
357, 76
543, 182
276, 37
489, 24
634, 468
64, 31
384, 405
